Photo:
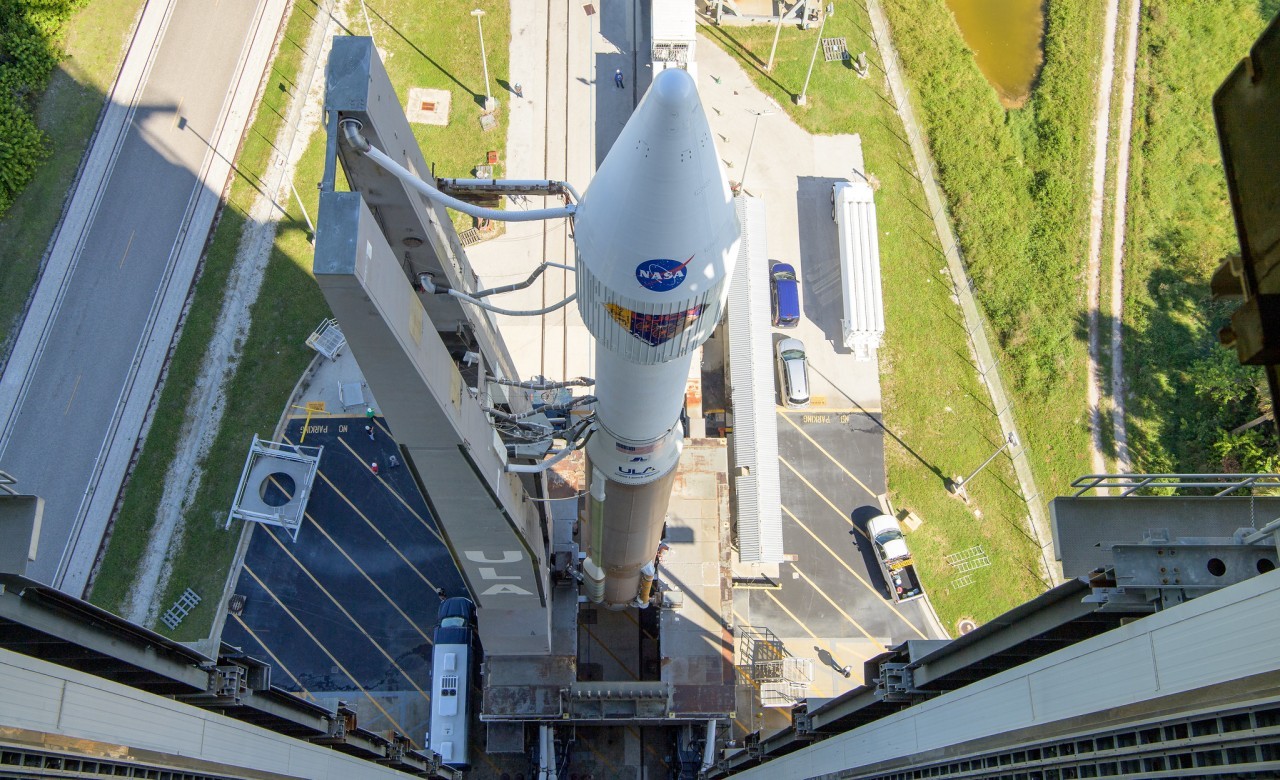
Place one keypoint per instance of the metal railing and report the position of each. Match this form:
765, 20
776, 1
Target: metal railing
1129, 484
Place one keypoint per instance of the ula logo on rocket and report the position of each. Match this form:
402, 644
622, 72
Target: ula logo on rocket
661, 275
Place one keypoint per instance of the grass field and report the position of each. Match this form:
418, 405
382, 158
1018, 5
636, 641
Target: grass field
68, 112
416, 53
937, 414
1017, 183
1184, 389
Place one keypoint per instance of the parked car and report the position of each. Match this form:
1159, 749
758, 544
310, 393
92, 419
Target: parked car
793, 373
785, 291
895, 559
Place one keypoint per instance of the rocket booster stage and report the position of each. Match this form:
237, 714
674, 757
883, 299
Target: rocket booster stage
657, 236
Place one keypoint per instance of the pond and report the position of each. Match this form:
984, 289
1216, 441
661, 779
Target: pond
1006, 36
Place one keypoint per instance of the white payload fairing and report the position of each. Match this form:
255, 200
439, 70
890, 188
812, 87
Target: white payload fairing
657, 236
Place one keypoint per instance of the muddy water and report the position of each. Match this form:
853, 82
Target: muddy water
1006, 36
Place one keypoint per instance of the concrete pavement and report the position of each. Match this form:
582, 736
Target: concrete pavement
76, 390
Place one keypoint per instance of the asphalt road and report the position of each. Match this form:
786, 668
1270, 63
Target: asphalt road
832, 467
79, 379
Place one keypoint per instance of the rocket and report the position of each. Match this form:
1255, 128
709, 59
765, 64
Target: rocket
657, 236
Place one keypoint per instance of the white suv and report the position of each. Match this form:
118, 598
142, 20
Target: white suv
793, 373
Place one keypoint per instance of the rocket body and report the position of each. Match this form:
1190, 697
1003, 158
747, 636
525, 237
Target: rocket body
657, 235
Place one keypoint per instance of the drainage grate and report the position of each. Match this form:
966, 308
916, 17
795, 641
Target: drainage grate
174, 616
834, 49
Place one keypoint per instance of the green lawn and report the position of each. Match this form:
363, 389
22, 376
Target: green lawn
937, 415
1185, 391
68, 112
417, 52
1017, 184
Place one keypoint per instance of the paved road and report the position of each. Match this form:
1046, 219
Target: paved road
75, 373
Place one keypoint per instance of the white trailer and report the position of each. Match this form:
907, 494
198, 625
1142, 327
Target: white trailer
674, 35
853, 208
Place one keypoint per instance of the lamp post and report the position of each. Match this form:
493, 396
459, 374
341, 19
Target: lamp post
489, 103
782, 11
751, 144
800, 99
957, 485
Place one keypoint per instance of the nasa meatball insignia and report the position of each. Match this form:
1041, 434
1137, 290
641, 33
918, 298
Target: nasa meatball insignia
661, 275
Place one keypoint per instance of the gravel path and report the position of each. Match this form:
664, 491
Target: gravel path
1093, 274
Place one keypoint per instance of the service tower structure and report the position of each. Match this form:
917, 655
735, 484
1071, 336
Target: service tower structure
657, 236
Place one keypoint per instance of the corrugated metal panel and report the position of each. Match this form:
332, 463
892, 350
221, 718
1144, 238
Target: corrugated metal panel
1214, 639
73, 705
863, 323
755, 421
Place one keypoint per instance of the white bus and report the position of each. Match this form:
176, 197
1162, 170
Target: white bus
451, 675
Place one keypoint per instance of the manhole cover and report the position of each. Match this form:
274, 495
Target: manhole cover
965, 625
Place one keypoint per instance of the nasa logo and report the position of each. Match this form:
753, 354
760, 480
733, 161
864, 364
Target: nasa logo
661, 275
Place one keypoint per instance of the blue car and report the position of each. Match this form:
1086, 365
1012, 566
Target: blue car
785, 290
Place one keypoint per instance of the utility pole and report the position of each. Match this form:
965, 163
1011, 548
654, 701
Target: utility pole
957, 485
751, 144
489, 103
782, 11
800, 99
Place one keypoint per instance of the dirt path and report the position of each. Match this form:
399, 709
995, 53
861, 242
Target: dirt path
1121, 434
204, 414
1101, 136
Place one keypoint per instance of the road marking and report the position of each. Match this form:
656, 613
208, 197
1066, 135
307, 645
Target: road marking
274, 660
132, 233
648, 747
74, 388
605, 648
376, 530
325, 650
892, 607
390, 601
393, 492
867, 410
348, 615
830, 457
823, 593
822, 642
600, 756
632, 618
843, 515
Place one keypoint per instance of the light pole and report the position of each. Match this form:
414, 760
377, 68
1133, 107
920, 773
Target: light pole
489, 103
957, 485
782, 11
751, 144
800, 99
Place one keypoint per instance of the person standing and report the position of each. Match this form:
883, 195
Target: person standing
374, 467
369, 430
617, 78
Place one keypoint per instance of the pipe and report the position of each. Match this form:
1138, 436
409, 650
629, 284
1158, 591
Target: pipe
541, 466
427, 283
546, 752
709, 749
510, 312
530, 183
529, 384
351, 132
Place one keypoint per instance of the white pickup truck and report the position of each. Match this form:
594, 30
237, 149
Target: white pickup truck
895, 559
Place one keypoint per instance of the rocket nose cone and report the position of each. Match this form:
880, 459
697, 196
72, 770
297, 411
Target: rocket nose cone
673, 88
